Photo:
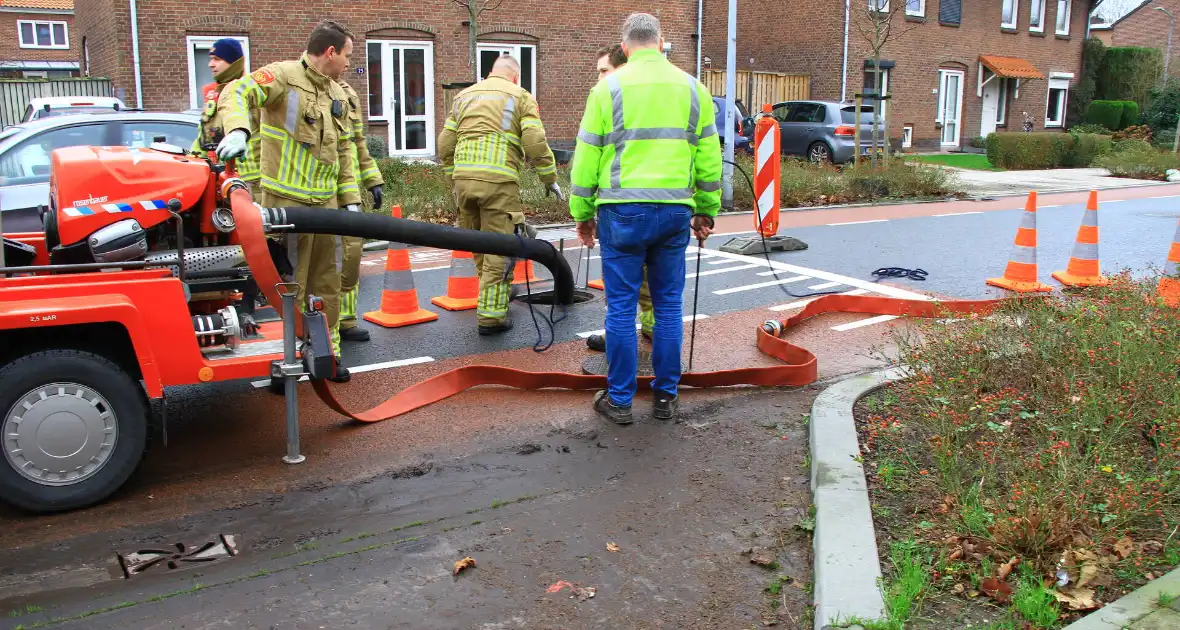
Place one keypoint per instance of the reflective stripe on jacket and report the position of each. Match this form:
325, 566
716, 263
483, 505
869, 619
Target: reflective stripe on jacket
363, 166
306, 139
647, 135
493, 127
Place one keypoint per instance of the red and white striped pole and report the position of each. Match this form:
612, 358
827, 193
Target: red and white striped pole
767, 173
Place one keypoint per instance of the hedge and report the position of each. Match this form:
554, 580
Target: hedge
1020, 150
1128, 74
1113, 115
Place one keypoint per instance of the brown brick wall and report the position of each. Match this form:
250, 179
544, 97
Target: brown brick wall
10, 49
106, 28
566, 34
811, 41
1148, 28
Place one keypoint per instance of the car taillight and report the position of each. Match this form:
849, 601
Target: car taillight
79, 103
845, 130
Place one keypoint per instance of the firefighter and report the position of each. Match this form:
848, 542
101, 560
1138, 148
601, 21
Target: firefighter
611, 58
493, 127
306, 154
366, 171
227, 64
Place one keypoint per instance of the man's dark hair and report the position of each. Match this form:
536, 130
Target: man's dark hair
328, 34
615, 52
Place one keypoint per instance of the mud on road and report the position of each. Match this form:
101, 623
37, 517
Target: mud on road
690, 507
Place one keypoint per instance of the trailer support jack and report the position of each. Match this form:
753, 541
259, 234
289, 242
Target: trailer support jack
290, 370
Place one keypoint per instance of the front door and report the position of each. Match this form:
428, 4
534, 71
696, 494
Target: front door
991, 106
401, 94
950, 105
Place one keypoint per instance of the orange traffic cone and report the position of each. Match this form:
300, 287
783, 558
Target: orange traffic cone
1021, 273
1169, 288
399, 298
596, 284
523, 272
1082, 270
462, 285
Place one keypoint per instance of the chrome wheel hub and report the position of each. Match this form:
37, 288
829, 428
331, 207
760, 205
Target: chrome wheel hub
59, 434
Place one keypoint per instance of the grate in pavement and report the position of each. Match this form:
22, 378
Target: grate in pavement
176, 556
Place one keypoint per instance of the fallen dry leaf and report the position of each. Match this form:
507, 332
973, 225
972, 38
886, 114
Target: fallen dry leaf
958, 589
1123, 547
997, 590
1153, 547
762, 559
956, 554
1076, 598
557, 586
1005, 569
463, 564
1085, 555
1087, 574
611, 547
1149, 576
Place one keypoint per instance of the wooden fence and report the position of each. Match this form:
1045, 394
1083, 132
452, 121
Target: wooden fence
756, 88
15, 94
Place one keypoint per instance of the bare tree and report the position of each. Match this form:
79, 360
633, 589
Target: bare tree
475, 8
875, 22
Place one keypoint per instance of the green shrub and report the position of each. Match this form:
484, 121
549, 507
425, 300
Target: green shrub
1113, 114
1091, 128
1139, 160
378, 149
1024, 151
1131, 144
1086, 89
1164, 110
1164, 139
1129, 74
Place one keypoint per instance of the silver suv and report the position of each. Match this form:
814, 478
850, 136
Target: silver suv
25, 149
824, 131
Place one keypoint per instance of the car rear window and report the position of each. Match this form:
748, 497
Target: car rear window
848, 114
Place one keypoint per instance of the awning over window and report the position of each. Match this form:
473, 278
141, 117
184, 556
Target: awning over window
38, 65
1010, 67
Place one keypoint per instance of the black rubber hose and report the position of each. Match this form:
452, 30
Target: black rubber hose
361, 225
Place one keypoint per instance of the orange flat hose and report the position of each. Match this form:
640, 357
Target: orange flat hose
799, 365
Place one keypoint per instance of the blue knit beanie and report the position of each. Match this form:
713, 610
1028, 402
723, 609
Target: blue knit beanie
228, 49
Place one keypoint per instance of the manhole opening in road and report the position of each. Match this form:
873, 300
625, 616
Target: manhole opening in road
547, 297
176, 556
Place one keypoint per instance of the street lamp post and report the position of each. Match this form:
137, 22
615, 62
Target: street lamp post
1168, 55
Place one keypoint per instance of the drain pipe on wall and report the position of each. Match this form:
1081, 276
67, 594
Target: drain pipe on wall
700, 35
135, 54
844, 68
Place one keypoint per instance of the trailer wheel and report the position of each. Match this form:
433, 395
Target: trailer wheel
73, 429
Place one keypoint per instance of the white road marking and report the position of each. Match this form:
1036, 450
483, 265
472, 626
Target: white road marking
1054, 206
431, 268
370, 263
713, 272
802, 303
1120, 200
859, 222
867, 285
826, 285
361, 369
772, 272
955, 214
1160, 197
760, 285
686, 318
863, 322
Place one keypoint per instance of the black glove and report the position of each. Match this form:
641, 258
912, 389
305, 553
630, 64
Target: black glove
376, 190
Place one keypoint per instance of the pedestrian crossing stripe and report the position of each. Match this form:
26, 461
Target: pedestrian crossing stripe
82, 211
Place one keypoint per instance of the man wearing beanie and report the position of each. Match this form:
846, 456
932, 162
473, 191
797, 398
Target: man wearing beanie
227, 64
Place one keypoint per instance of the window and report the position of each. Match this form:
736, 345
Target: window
879, 5
781, 112
907, 137
1036, 16
916, 8
373, 56
1002, 102
199, 73
526, 54
1058, 97
142, 134
808, 113
1063, 17
1008, 13
950, 12
28, 162
871, 88
42, 34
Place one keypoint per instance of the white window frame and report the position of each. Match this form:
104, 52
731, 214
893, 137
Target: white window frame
195, 98
942, 74
1068, 17
34, 44
1056, 84
1039, 27
514, 50
387, 90
880, 6
907, 137
921, 12
1015, 14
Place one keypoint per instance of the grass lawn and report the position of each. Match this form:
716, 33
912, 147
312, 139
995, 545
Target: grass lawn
973, 161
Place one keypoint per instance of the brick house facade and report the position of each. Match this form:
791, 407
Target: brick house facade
403, 49
1148, 28
37, 39
938, 55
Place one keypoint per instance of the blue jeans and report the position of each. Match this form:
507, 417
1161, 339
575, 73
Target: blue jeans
633, 234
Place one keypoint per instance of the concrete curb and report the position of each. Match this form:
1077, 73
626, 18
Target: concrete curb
846, 566
1131, 607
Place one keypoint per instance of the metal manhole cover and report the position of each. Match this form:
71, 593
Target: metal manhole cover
176, 556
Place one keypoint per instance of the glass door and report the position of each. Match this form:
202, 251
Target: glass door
950, 105
401, 94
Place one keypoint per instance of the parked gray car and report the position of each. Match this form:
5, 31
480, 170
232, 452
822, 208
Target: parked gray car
25, 149
824, 131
